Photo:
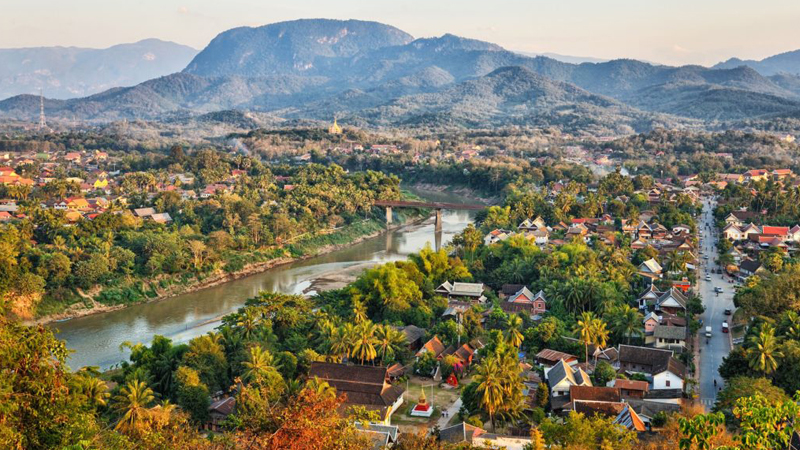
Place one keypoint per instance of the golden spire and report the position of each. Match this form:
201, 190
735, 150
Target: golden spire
335, 128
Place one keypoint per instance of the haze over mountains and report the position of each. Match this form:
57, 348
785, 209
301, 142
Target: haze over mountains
373, 74
68, 72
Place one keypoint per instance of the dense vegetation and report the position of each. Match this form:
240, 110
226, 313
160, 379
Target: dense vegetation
122, 258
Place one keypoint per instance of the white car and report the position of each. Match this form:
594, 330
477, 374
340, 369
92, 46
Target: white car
708, 277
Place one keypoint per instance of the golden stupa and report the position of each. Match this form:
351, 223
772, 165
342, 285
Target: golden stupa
335, 128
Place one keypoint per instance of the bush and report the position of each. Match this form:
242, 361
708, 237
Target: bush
659, 419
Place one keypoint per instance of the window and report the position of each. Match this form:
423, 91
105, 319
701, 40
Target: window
667, 383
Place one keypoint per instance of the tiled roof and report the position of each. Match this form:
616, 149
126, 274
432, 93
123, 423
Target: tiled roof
594, 393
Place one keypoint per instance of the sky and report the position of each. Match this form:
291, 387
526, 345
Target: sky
671, 32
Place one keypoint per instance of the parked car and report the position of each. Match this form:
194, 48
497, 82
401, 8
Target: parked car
708, 332
724, 327
728, 311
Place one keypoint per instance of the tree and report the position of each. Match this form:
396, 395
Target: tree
390, 341
625, 321
513, 333
740, 387
603, 373
698, 432
490, 387
764, 354
542, 395
207, 356
364, 344
259, 362
192, 395
764, 425
585, 329
132, 402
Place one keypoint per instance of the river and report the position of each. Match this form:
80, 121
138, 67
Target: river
95, 340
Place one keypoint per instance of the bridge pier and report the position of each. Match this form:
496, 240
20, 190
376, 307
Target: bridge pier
388, 215
438, 223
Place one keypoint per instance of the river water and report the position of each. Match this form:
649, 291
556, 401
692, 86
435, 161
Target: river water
95, 340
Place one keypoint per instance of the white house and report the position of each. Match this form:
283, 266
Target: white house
562, 376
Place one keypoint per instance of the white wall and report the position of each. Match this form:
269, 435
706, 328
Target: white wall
660, 381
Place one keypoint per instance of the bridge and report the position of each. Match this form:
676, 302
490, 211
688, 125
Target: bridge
438, 206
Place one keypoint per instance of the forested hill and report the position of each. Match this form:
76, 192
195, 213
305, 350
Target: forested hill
372, 74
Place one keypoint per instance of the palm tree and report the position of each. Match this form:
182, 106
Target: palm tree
359, 312
599, 335
626, 321
95, 390
132, 402
390, 340
258, 363
341, 342
585, 330
764, 354
490, 386
364, 344
248, 322
513, 334
321, 387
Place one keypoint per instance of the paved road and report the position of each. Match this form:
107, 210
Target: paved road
452, 410
718, 346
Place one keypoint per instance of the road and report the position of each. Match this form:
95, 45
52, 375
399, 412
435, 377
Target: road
718, 345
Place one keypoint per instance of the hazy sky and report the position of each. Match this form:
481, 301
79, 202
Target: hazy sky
666, 31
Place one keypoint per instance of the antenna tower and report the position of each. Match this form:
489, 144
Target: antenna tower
42, 120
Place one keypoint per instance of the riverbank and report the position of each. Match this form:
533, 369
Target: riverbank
312, 247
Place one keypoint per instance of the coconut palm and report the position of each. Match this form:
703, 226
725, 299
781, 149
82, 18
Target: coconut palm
341, 341
132, 402
359, 312
248, 322
764, 353
390, 341
258, 363
599, 335
513, 333
585, 330
364, 343
489, 377
94, 389
626, 321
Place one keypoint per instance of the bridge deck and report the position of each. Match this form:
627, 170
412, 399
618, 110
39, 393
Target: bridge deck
436, 205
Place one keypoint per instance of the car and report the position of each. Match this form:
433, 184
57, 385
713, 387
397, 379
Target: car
727, 311
708, 277
708, 332
705, 256
718, 290
724, 327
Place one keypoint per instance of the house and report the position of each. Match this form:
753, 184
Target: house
532, 225
739, 218
650, 269
794, 234
663, 369
463, 354
631, 388
161, 218
381, 436
755, 175
433, 346
562, 376
667, 337
364, 386
732, 232
594, 394
414, 335
780, 232
540, 237
650, 322
144, 212
672, 301
748, 268
524, 296
462, 432
496, 236
549, 358
629, 419
462, 291
218, 411
491, 440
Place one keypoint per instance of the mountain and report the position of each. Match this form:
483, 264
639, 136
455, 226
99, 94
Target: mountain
308, 46
566, 58
68, 72
788, 62
375, 74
